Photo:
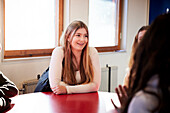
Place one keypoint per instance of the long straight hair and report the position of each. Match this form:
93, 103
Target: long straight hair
69, 68
152, 57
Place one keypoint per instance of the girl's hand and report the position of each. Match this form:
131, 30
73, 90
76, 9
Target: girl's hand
59, 89
121, 92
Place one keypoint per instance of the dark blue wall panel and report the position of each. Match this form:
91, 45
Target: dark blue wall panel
157, 7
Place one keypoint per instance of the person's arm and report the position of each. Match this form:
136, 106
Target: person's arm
143, 103
7, 87
55, 69
95, 84
4, 103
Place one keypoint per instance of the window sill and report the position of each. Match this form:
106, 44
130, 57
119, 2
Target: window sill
26, 59
117, 51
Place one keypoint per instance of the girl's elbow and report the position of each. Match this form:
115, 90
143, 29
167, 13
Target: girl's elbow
97, 86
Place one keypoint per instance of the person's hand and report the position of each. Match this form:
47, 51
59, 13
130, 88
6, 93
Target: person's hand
59, 89
122, 95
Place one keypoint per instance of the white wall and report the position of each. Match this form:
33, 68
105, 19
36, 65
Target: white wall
137, 13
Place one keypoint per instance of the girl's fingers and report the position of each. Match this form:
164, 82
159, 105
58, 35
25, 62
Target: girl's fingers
114, 104
123, 91
117, 92
125, 88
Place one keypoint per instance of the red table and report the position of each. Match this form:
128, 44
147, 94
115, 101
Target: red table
97, 102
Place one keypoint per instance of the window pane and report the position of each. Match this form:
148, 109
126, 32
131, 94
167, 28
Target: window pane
29, 24
102, 23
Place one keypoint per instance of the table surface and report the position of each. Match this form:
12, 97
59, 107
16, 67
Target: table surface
48, 102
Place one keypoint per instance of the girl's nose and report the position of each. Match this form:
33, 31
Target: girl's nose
82, 38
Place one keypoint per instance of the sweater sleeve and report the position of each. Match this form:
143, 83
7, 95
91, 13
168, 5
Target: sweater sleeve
95, 84
55, 69
7, 89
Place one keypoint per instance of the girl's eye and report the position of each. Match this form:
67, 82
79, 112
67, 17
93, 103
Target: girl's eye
78, 35
86, 36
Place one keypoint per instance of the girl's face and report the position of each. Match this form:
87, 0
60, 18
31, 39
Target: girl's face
79, 40
140, 35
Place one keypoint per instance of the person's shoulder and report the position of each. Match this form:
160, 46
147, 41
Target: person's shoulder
58, 49
1, 73
146, 97
143, 102
2, 78
58, 53
92, 50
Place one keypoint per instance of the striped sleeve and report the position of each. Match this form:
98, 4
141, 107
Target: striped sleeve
7, 89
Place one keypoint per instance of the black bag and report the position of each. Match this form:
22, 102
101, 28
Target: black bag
43, 83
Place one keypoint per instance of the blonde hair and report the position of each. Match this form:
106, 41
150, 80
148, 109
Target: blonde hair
69, 68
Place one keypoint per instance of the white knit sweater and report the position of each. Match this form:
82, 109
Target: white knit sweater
55, 72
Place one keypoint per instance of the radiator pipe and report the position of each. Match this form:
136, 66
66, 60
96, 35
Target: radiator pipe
109, 78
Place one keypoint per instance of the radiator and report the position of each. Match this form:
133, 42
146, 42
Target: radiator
108, 84
28, 86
